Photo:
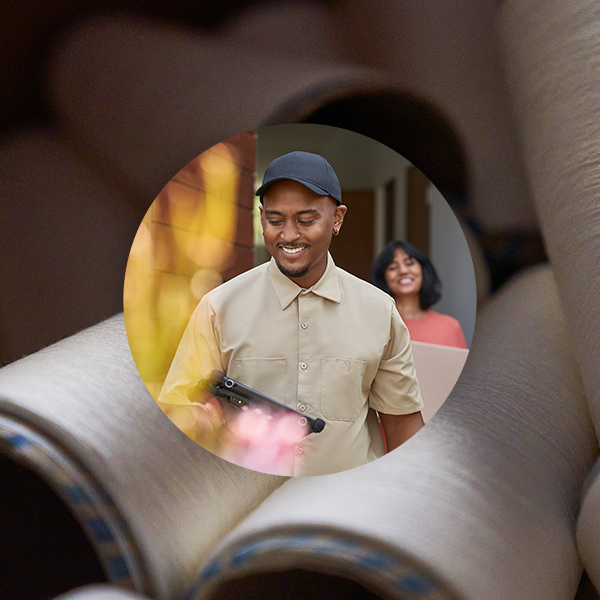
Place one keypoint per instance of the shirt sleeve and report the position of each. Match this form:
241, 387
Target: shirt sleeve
395, 389
197, 355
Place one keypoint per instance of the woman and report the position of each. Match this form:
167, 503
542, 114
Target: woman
407, 274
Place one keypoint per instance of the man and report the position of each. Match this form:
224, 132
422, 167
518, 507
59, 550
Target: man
306, 333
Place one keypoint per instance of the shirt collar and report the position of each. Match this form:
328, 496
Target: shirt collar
286, 290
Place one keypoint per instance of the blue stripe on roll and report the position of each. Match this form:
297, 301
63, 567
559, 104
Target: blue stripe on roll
99, 530
18, 442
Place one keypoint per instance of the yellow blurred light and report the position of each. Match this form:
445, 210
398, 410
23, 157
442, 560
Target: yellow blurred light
209, 251
142, 242
218, 161
203, 281
173, 300
183, 245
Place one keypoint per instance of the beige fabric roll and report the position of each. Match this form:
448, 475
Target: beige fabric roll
99, 592
552, 56
588, 527
152, 502
170, 94
65, 234
303, 30
481, 503
448, 53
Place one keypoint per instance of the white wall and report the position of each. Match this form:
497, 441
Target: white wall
451, 258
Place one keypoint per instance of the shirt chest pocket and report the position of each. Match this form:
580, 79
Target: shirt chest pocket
342, 396
265, 375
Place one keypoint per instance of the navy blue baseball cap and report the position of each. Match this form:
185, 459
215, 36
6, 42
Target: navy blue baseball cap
311, 170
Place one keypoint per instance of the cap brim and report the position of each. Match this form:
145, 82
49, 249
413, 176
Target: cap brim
311, 186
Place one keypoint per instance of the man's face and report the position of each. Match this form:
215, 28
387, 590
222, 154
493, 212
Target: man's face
297, 227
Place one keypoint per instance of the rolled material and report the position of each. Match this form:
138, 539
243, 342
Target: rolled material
481, 503
299, 29
588, 526
99, 592
447, 53
169, 94
65, 235
552, 57
152, 502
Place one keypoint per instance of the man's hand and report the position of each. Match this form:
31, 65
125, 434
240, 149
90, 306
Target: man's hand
399, 428
203, 423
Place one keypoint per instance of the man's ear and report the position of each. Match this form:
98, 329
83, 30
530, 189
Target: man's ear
261, 208
339, 213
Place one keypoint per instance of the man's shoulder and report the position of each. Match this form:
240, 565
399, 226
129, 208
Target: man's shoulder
240, 283
363, 289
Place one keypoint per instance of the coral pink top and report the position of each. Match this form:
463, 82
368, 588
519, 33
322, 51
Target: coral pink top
436, 328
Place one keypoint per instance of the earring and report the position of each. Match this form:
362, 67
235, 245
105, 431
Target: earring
336, 232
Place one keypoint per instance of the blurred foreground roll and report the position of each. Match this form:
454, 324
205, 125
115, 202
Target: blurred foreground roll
481, 503
588, 526
552, 57
65, 234
448, 54
149, 98
152, 503
99, 592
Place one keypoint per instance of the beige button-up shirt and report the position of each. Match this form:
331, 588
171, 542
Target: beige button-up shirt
338, 350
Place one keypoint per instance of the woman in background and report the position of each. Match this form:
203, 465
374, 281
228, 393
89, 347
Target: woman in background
407, 274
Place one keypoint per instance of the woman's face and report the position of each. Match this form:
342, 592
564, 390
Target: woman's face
404, 275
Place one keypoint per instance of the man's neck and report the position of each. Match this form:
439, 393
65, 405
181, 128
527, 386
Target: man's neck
308, 280
305, 282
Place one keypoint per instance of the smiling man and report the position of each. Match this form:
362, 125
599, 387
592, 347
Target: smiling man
306, 333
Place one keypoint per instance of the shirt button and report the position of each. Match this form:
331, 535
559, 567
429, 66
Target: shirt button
302, 407
303, 366
304, 325
300, 450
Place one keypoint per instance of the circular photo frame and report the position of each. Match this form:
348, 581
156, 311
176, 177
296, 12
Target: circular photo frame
300, 299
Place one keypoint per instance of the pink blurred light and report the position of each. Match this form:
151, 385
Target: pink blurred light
264, 442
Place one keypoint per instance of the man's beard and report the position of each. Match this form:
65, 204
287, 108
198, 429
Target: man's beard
293, 274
